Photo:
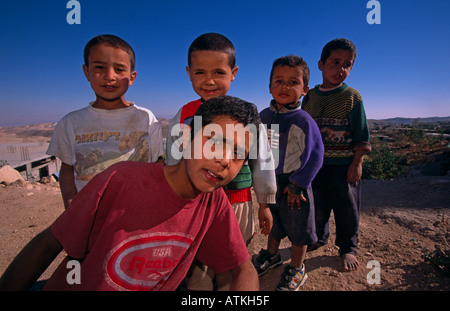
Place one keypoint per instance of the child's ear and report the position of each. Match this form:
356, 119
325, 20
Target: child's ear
132, 78
305, 90
320, 64
234, 73
188, 70
86, 71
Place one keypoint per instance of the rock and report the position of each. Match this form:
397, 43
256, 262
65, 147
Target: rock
9, 175
47, 180
334, 273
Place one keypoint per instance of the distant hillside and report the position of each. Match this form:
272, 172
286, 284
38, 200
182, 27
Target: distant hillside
32, 130
46, 129
405, 121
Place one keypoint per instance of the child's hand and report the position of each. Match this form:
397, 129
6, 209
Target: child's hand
355, 169
293, 199
265, 218
354, 173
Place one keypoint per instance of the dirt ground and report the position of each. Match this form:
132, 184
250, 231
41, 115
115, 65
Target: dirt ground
400, 220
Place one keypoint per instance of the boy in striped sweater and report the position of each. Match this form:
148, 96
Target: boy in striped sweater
339, 113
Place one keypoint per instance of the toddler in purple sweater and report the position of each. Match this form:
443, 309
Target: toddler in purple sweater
298, 151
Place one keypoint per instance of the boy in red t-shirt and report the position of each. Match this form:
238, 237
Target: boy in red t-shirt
211, 69
138, 226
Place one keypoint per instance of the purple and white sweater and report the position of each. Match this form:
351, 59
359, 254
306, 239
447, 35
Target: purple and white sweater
296, 144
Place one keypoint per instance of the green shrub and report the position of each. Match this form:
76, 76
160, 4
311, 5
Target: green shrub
382, 163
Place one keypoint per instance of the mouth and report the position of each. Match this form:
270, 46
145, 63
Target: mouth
109, 87
339, 76
210, 92
212, 176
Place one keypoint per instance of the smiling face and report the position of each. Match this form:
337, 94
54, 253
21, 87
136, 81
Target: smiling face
210, 73
336, 68
287, 86
109, 73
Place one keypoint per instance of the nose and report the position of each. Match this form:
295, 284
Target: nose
285, 85
225, 160
209, 80
341, 69
110, 74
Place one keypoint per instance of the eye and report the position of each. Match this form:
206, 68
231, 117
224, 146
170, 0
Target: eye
239, 154
216, 141
293, 82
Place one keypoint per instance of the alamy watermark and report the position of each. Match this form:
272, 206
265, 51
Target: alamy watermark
221, 145
374, 15
74, 15
74, 275
374, 275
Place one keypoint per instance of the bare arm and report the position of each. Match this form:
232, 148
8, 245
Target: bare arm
67, 183
31, 262
245, 278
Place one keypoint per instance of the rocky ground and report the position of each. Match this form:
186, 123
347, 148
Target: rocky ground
400, 221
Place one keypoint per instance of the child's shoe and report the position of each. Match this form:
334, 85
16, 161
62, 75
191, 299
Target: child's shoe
292, 278
265, 261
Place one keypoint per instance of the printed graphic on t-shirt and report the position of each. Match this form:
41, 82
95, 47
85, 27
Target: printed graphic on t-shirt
96, 151
145, 262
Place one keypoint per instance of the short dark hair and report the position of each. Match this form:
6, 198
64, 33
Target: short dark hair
113, 41
292, 61
235, 108
213, 42
337, 44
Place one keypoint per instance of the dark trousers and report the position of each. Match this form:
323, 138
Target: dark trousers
333, 193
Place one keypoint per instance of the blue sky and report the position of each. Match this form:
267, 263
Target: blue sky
402, 66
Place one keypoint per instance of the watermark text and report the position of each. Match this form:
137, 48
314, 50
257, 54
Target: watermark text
374, 15
74, 15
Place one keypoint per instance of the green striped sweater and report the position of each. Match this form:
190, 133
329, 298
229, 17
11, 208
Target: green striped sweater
341, 118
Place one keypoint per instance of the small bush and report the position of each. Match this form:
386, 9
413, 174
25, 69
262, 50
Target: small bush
382, 163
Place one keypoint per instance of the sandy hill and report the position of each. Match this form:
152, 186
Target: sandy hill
46, 129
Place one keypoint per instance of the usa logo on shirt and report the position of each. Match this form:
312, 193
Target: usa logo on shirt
146, 261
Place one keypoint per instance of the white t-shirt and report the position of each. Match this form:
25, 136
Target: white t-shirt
92, 139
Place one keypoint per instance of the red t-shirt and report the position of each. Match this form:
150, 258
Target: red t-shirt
130, 231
